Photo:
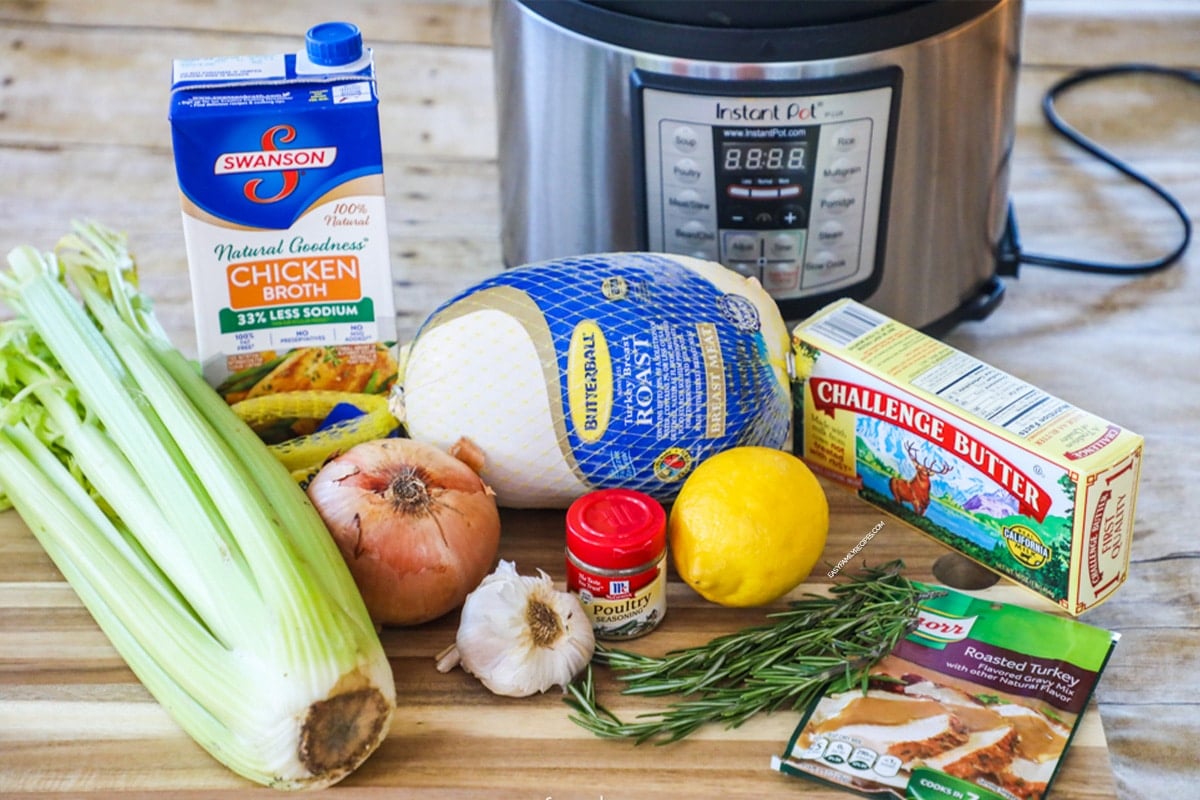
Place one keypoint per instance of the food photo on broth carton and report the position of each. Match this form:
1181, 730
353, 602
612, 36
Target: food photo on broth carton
312, 480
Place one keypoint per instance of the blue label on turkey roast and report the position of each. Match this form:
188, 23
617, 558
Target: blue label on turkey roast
648, 365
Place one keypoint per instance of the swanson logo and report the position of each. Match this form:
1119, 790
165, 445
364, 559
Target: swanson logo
287, 162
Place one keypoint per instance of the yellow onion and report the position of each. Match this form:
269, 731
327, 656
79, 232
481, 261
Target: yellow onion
417, 526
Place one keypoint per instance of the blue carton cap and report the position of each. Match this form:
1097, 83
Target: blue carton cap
333, 44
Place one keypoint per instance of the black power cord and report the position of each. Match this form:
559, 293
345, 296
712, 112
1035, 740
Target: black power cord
1070, 133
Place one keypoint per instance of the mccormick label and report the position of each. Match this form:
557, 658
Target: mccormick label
280, 170
1011, 476
621, 606
617, 561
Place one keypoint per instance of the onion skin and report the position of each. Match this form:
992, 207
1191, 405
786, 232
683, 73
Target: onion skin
419, 528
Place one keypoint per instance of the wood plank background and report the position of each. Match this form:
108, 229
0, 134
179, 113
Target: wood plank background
83, 133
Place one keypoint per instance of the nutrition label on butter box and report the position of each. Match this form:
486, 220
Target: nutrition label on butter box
991, 394
954, 377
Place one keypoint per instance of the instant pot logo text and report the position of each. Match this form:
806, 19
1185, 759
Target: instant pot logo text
775, 112
287, 162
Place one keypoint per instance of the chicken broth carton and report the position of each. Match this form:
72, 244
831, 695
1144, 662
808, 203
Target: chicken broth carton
280, 169
1016, 479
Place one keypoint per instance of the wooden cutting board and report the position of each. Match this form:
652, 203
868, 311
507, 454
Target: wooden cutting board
74, 721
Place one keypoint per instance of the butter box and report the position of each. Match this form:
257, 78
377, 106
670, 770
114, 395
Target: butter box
1016, 479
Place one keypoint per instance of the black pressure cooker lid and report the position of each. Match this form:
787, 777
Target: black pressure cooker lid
756, 13
759, 30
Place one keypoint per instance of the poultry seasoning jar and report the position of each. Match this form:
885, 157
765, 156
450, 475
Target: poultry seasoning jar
617, 561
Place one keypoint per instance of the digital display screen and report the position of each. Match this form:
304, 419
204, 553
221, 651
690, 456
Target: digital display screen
764, 157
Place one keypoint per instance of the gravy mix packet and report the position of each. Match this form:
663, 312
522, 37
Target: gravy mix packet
1014, 478
980, 701
280, 170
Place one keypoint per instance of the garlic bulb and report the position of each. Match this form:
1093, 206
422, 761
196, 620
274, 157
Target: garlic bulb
519, 635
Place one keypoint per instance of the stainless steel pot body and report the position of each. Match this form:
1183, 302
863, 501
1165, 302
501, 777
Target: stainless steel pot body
570, 157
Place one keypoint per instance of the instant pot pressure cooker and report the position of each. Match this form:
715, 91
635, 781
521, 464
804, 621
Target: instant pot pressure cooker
827, 148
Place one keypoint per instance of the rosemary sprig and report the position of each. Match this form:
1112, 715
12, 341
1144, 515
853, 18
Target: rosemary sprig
820, 643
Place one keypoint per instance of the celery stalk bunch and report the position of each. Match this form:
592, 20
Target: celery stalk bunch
190, 544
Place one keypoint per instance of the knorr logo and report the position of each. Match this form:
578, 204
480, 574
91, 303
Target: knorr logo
941, 628
1026, 546
272, 159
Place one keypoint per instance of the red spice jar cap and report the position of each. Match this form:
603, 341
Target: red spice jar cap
616, 529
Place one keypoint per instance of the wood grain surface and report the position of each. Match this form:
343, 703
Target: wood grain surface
84, 133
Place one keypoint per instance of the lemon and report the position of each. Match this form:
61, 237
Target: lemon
748, 526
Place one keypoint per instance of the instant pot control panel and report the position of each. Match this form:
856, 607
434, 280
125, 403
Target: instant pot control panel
783, 181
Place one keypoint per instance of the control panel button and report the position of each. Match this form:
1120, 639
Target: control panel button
739, 191
742, 246
839, 201
747, 269
831, 232
685, 170
793, 216
828, 266
783, 246
825, 260
842, 170
689, 202
685, 139
694, 232
781, 276
738, 215
847, 138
